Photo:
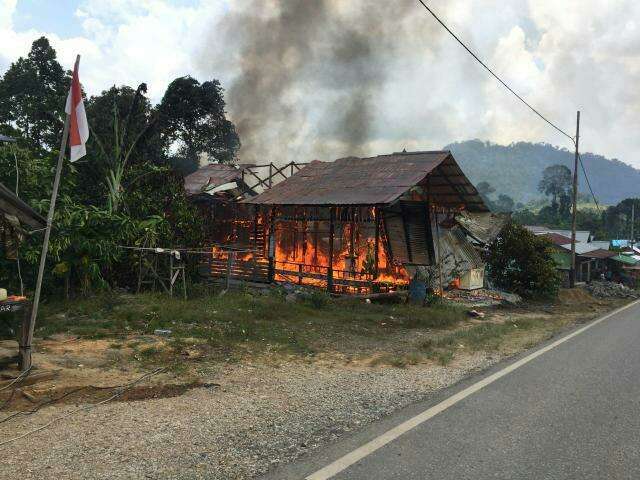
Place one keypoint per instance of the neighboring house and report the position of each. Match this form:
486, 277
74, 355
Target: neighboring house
592, 256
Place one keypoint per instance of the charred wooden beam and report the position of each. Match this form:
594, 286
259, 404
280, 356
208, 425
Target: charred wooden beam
332, 217
376, 247
272, 244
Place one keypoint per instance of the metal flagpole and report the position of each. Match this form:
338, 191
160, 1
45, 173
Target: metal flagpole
25, 346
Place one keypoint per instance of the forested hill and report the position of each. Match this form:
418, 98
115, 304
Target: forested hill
516, 169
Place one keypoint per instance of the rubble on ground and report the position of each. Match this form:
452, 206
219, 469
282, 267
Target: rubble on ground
482, 297
611, 289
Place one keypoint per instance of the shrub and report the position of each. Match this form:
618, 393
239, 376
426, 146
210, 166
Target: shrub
521, 262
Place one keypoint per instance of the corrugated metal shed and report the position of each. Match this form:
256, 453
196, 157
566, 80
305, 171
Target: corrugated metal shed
210, 176
374, 181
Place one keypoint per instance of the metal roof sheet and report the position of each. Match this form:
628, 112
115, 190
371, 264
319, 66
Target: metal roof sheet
581, 235
599, 253
556, 238
626, 259
210, 176
483, 226
360, 181
583, 248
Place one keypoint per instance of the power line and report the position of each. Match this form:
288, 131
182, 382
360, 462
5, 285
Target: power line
533, 109
495, 75
119, 393
588, 183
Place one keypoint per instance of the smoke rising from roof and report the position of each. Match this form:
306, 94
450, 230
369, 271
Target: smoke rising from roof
308, 75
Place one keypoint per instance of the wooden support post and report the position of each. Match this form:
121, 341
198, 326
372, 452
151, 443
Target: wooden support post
352, 241
270, 175
272, 245
332, 220
429, 229
256, 210
230, 259
376, 247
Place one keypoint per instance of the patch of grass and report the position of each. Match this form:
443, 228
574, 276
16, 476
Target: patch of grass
398, 360
239, 322
485, 336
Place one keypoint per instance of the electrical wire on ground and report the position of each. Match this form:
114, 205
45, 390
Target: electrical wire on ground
86, 408
17, 379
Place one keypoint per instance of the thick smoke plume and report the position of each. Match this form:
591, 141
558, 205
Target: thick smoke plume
308, 74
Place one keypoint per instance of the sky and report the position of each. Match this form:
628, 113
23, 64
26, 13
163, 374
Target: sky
323, 79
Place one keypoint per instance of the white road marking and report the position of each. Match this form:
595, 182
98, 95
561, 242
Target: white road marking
389, 436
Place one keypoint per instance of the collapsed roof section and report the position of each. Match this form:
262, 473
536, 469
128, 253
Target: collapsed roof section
217, 179
382, 180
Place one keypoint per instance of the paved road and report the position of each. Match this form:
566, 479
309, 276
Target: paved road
573, 412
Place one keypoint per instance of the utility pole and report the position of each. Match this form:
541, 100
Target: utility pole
572, 276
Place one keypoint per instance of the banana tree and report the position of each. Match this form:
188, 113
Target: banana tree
118, 157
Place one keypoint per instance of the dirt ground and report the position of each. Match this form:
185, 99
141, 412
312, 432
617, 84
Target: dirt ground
260, 411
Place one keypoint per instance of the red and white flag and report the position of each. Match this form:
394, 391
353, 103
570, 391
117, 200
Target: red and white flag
78, 125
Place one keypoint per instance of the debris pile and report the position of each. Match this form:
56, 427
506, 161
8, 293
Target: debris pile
611, 289
482, 297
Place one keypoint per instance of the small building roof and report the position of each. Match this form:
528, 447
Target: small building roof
377, 180
556, 238
12, 205
581, 248
582, 236
599, 253
625, 259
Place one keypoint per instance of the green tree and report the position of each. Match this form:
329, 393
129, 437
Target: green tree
193, 118
504, 203
521, 262
617, 218
557, 183
122, 125
32, 96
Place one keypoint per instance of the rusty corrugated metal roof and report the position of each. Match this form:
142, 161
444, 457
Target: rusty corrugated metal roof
210, 176
360, 181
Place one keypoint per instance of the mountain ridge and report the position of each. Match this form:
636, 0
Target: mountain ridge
516, 169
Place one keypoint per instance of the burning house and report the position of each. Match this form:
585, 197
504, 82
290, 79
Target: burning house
364, 224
